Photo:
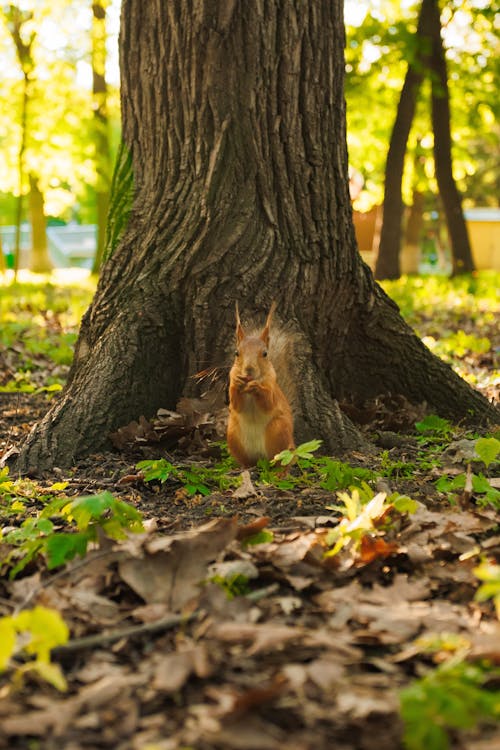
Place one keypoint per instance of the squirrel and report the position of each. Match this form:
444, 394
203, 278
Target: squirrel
260, 418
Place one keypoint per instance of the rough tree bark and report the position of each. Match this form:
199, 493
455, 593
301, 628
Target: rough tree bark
440, 108
234, 119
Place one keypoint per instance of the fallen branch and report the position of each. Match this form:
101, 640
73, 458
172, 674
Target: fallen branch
103, 639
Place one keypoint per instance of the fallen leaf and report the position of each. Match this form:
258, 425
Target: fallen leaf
170, 568
173, 670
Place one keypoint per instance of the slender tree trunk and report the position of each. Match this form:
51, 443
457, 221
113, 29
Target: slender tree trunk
40, 261
234, 121
387, 266
410, 256
441, 117
101, 125
20, 172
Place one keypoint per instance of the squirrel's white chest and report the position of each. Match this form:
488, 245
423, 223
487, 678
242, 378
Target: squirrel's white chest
253, 423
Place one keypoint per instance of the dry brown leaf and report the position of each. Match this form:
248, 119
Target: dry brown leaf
173, 670
265, 637
172, 567
373, 548
249, 529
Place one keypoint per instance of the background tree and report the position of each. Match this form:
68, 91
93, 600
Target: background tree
102, 143
429, 60
61, 126
237, 147
17, 22
380, 45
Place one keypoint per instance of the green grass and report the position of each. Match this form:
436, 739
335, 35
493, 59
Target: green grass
39, 321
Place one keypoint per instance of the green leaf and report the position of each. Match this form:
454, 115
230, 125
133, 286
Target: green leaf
434, 425
7, 641
46, 628
261, 537
159, 469
62, 547
487, 449
51, 673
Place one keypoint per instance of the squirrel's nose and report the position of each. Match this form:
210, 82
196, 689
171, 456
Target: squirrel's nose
250, 372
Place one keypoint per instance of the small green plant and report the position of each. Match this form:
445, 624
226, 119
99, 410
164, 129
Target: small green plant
452, 697
233, 586
196, 478
264, 536
310, 470
101, 513
481, 488
301, 455
399, 469
434, 429
489, 573
487, 450
364, 514
33, 633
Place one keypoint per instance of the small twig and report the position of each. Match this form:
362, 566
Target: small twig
255, 596
103, 639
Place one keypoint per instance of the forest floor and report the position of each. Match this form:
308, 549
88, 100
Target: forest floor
351, 603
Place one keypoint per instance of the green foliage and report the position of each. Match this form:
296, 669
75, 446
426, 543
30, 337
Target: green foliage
480, 486
379, 45
434, 427
364, 514
489, 573
302, 452
436, 307
196, 479
32, 634
452, 697
395, 468
38, 329
322, 471
233, 585
92, 515
487, 449
60, 113
261, 537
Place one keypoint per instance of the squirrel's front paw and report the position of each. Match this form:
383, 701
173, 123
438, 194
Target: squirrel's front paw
252, 386
241, 382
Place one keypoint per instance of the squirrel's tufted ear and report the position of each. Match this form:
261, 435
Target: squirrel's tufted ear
265, 331
240, 333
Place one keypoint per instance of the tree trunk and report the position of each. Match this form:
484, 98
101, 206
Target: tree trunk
440, 98
40, 261
101, 125
234, 125
387, 266
410, 255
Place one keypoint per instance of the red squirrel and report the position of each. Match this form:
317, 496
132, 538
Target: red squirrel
260, 418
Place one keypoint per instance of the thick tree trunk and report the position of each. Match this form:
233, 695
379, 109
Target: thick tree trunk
440, 98
40, 261
234, 117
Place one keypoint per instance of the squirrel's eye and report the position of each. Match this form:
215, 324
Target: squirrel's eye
264, 353
236, 353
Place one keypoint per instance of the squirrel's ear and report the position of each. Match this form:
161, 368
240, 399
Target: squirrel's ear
265, 331
240, 333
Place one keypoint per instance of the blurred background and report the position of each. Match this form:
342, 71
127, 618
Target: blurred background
60, 128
